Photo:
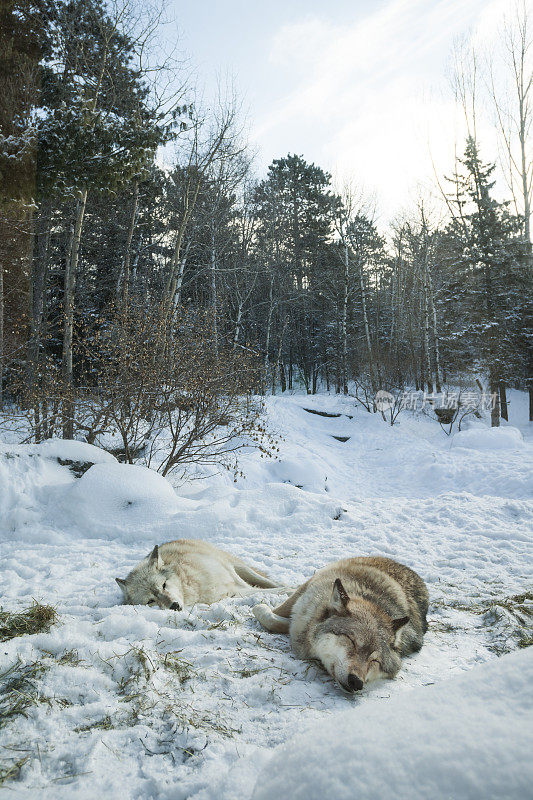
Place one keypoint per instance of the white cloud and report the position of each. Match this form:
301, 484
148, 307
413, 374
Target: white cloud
368, 97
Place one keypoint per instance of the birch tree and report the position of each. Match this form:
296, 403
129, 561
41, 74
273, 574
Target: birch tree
208, 144
511, 91
364, 243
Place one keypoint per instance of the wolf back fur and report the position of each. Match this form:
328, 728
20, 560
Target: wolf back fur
358, 617
188, 571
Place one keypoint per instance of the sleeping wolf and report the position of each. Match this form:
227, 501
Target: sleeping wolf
189, 571
357, 616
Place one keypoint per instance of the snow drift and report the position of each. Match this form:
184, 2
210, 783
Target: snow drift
466, 739
507, 438
132, 494
141, 702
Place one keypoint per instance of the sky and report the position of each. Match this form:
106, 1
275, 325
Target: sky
360, 87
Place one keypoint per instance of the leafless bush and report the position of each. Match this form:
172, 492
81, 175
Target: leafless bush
175, 397
365, 392
457, 409
153, 379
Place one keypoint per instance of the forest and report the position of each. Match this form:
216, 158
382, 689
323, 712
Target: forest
145, 266
266, 441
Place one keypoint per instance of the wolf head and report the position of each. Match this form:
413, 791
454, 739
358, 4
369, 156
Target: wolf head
152, 584
356, 641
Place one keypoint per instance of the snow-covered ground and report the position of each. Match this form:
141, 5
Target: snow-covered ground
468, 738
143, 703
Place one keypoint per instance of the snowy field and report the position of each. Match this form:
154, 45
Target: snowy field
137, 702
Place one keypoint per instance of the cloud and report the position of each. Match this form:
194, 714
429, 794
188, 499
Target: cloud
367, 96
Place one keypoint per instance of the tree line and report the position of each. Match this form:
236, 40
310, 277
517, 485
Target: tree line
124, 201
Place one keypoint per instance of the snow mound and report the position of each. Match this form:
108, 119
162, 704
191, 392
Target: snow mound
122, 494
466, 738
70, 450
34, 476
53, 449
300, 471
507, 438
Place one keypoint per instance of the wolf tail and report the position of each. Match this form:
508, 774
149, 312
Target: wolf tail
252, 577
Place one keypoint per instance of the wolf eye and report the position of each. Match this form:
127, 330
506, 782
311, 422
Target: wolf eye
165, 585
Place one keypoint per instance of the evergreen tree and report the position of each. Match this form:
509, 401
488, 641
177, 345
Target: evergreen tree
295, 210
26, 36
490, 274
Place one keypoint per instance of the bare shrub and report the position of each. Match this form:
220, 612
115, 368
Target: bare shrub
153, 379
174, 397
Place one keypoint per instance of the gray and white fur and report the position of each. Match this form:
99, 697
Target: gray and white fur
188, 571
358, 617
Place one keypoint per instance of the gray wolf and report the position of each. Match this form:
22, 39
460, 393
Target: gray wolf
188, 571
357, 616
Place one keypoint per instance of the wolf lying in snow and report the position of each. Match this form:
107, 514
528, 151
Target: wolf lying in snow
357, 616
189, 571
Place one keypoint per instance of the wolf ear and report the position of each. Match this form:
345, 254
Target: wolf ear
121, 582
339, 597
399, 623
155, 558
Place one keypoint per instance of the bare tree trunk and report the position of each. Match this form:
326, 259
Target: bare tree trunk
518, 122
181, 272
38, 285
367, 329
124, 275
429, 379
172, 281
495, 398
525, 187
71, 267
395, 326
282, 378
503, 401
291, 355
377, 350
269, 323
278, 368
237, 326
135, 265
438, 380
524, 84
1, 332
148, 273
213, 280
344, 316
338, 358
315, 373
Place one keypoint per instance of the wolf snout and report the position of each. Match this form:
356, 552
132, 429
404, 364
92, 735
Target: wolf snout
175, 607
354, 683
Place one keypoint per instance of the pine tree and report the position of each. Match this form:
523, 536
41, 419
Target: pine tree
25, 39
96, 133
490, 273
295, 210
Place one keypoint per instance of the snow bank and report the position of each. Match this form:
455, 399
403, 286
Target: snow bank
68, 449
123, 494
65, 449
466, 738
210, 693
507, 438
300, 471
